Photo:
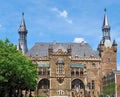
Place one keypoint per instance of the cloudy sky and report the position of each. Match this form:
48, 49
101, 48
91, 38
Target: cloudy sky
60, 20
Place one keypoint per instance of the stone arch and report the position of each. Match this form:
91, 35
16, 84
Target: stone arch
77, 83
78, 88
44, 84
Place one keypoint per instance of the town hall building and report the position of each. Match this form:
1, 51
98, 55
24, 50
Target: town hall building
71, 69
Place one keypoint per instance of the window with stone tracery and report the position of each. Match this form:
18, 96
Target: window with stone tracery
60, 64
60, 68
43, 71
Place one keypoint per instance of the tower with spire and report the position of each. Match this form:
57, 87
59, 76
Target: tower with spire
107, 50
22, 36
106, 31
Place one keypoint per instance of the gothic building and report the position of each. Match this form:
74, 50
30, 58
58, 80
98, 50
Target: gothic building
71, 69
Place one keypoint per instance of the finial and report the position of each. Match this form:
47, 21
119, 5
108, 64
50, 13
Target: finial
105, 9
22, 13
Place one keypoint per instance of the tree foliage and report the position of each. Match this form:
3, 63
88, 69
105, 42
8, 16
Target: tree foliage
16, 71
109, 89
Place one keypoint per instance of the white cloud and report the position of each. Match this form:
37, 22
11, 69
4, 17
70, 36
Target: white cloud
63, 14
79, 40
69, 21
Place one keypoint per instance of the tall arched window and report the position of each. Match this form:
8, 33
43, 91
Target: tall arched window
60, 68
60, 64
72, 72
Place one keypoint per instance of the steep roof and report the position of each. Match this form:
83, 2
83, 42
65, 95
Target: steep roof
105, 21
22, 25
78, 49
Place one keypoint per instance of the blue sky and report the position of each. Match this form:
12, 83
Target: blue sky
60, 20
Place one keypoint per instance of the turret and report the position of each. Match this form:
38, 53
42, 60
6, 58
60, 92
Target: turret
114, 46
69, 50
106, 39
22, 36
107, 50
101, 47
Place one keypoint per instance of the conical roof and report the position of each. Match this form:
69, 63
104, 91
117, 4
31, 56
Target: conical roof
105, 21
22, 25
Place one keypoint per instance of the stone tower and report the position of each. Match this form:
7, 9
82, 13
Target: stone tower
22, 36
107, 50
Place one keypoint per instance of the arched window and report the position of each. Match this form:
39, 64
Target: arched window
72, 73
81, 73
43, 84
108, 60
60, 68
77, 73
93, 84
60, 64
77, 83
44, 71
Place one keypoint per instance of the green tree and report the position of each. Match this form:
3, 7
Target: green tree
16, 71
109, 89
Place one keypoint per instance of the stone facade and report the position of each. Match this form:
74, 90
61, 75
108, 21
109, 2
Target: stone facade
79, 76
73, 69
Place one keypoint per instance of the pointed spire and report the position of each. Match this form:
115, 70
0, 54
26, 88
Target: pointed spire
114, 43
22, 25
105, 22
106, 27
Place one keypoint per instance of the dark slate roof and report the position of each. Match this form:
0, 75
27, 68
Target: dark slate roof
78, 49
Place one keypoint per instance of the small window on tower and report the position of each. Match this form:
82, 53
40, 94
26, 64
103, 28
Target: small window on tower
109, 60
89, 85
